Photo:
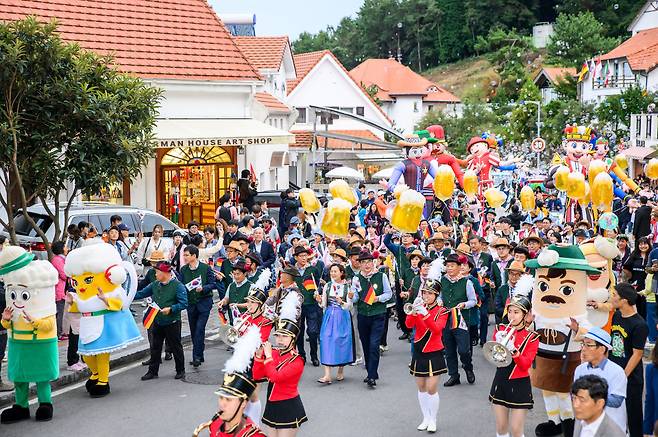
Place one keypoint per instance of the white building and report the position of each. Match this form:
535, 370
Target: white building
647, 18
206, 130
406, 96
541, 34
323, 81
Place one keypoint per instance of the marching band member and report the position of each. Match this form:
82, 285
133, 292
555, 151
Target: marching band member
511, 389
238, 386
427, 364
283, 368
255, 316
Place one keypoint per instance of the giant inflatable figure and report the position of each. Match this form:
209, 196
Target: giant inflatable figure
32, 330
97, 274
414, 169
559, 304
576, 147
440, 152
483, 156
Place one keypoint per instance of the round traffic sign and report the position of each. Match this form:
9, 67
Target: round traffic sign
538, 145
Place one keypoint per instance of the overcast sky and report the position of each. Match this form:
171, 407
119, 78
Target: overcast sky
290, 17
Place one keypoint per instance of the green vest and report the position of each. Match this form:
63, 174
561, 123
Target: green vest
402, 262
165, 296
188, 275
238, 294
454, 293
377, 282
308, 293
226, 269
414, 289
408, 276
349, 272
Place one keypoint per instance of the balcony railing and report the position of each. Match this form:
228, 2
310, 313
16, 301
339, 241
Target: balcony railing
615, 82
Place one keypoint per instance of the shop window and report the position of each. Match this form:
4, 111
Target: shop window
112, 194
301, 116
360, 110
196, 156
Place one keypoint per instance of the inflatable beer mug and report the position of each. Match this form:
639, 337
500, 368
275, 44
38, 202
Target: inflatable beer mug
576, 186
309, 201
340, 189
470, 183
602, 192
560, 177
495, 198
408, 212
651, 169
622, 161
527, 197
595, 168
336, 219
444, 183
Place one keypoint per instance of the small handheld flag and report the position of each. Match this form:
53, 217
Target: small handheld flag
309, 284
193, 284
427, 233
370, 296
150, 314
222, 318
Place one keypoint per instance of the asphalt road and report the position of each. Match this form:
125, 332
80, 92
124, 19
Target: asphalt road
166, 407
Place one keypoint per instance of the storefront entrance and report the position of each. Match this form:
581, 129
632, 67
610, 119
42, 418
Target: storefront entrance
191, 181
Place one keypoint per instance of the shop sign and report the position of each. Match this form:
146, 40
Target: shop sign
211, 142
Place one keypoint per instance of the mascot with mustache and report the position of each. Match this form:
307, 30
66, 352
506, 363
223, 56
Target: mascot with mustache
559, 305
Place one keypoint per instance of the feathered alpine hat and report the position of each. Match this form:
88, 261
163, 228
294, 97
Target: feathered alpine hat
287, 323
257, 292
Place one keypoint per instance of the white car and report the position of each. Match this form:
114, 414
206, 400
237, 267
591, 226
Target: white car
96, 213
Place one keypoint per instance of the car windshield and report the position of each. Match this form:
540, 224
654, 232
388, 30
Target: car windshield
24, 228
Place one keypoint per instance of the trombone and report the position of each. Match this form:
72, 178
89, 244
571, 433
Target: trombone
498, 353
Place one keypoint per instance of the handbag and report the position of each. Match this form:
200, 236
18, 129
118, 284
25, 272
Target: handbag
145, 262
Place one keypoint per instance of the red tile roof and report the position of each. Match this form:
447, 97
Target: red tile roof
172, 39
272, 103
394, 79
305, 62
641, 50
263, 51
303, 140
554, 73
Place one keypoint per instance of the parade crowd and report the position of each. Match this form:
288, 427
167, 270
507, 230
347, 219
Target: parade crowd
297, 299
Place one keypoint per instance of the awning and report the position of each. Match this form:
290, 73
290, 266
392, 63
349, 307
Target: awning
636, 152
380, 156
218, 132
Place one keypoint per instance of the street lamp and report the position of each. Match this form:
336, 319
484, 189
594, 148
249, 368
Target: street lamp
398, 35
538, 103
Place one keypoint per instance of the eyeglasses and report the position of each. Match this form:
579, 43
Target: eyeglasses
591, 345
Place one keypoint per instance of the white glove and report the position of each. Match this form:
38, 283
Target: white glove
500, 335
421, 310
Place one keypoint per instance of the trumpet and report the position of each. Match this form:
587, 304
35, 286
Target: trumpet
204, 425
498, 353
408, 308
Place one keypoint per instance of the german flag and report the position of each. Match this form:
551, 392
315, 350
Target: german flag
454, 318
370, 296
150, 314
309, 284
222, 318
427, 233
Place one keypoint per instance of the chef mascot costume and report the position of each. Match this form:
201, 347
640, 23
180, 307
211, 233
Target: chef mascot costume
32, 330
559, 304
600, 252
97, 274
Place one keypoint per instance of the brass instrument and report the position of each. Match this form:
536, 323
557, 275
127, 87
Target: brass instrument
204, 425
496, 352
408, 308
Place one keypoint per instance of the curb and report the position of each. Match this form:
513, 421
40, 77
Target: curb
7, 398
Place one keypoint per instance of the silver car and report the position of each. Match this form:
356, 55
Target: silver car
96, 213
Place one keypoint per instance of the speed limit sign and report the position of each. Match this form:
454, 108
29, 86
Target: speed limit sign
538, 145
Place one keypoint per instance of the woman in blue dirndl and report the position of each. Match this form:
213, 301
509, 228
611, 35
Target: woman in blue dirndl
337, 332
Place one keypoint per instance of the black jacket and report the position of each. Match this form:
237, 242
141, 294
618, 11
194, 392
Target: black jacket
642, 223
266, 253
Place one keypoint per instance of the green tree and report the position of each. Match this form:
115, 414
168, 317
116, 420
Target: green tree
508, 14
68, 121
566, 87
614, 113
577, 38
454, 42
510, 53
522, 125
616, 15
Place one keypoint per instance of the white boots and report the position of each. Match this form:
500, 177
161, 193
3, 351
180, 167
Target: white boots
429, 405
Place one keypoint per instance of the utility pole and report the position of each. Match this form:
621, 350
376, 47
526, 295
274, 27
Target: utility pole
398, 35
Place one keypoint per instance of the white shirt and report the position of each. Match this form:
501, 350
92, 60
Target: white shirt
616, 378
590, 429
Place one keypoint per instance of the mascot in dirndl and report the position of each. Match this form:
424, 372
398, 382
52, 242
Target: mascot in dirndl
98, 276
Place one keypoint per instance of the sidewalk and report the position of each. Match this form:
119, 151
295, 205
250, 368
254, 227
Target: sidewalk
132, 353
